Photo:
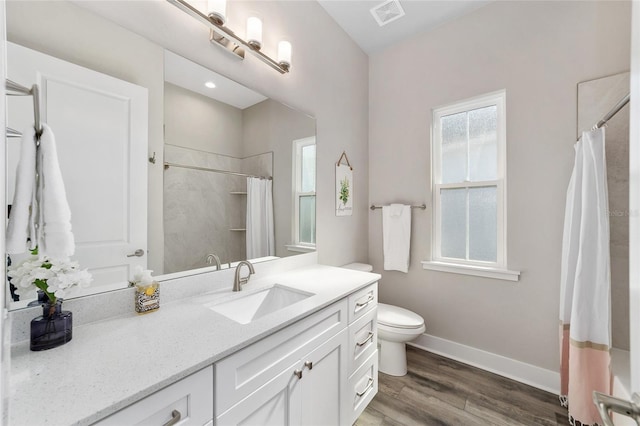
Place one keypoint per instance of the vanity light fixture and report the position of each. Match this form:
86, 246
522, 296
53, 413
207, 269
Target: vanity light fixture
230, 41
217, 11
254, 32
210, 84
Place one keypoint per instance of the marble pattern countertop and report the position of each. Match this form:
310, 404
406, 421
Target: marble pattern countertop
113, 363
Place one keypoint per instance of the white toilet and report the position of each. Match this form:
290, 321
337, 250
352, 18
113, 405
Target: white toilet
396, 327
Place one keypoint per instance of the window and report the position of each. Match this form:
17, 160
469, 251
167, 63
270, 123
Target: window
304, 188
469, 163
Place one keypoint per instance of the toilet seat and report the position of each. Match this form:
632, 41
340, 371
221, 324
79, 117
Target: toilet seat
397, 317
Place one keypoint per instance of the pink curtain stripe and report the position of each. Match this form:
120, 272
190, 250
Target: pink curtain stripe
589, 370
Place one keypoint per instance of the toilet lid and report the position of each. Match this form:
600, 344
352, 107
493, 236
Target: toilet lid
395, 316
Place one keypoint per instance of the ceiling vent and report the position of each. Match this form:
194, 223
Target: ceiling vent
387, 11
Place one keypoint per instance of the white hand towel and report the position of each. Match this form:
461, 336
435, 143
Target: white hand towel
396, 237
55, 236
23, 210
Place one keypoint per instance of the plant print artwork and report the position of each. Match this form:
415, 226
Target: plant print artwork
344, 190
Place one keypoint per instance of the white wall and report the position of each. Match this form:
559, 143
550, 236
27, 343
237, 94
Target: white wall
537, 51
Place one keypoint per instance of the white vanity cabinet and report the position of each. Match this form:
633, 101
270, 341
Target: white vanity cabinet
186, 402
320, 370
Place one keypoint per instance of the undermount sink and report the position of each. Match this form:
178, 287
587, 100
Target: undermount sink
245, 309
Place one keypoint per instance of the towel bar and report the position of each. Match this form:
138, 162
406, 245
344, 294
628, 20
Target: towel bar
422, 207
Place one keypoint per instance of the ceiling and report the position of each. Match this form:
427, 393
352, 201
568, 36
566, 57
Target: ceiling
355, 18
189, 75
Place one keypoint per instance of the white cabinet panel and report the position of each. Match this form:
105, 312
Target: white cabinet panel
363, 339
363, 386
324, 383
190, 398
245, 371
361, 301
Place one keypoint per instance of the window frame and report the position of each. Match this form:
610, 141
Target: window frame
297, 193
498, 99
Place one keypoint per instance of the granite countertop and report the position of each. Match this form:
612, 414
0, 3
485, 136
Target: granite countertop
115, 362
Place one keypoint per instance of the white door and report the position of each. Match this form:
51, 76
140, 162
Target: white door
100, 127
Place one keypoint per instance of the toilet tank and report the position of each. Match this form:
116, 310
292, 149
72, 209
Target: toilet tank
359, 267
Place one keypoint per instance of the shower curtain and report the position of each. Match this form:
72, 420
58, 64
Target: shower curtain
260, 234
585, 335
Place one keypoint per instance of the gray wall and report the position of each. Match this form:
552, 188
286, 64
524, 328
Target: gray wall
538, 52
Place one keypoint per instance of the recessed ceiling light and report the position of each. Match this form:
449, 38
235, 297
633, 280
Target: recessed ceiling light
210, 84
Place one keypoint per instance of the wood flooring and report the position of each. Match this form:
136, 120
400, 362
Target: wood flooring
440, 391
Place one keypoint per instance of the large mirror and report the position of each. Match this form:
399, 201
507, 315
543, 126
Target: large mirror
234, 171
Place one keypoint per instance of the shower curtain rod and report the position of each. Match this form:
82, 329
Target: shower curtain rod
205, 169
616, 108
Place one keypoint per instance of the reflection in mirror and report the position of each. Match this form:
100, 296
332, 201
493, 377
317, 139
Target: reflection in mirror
230, 171
113, 189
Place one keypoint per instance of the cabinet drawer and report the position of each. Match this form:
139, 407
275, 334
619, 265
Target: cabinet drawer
240, 374
363, 339
363, 386
362, 301
191, 398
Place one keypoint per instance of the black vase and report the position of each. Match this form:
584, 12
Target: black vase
54, 328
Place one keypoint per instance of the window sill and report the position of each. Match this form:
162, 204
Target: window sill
478, 271
300, 248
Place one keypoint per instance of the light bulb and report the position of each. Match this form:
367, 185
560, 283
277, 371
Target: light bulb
284, 55
254, 32
217, 11
210, 84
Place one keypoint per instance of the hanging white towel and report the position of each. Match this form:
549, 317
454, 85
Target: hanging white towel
55, 236
21, 226
396, 237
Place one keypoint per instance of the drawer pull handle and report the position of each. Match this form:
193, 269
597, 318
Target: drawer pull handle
364, 342
175, 418
309, 365
369, 386
365, 303
298, 374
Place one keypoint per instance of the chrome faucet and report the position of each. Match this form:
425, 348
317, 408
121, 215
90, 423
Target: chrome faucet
239, 281
213, 257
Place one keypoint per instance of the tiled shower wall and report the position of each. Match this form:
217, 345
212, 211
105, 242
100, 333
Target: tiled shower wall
202, 215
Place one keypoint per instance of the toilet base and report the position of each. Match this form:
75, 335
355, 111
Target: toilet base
393, 358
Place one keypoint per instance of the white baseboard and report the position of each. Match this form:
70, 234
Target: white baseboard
537, 377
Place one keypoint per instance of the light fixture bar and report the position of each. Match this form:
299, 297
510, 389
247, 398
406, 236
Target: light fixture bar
234, 44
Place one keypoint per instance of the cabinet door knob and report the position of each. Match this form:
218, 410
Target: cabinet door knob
309, 365
298, 373
137, 253
175, 418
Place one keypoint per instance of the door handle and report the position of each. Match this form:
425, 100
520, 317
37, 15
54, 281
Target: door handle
137, 253
605, 403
